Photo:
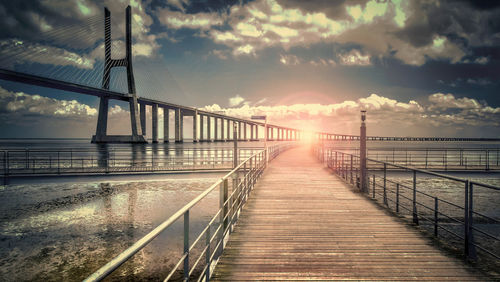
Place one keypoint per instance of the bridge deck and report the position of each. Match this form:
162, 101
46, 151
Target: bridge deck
303, 223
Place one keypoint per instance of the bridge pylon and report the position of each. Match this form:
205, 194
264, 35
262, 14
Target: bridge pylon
101, 135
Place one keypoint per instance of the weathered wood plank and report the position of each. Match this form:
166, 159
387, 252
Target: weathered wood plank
303, 223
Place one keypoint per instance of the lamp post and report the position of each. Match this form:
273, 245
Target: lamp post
362, 152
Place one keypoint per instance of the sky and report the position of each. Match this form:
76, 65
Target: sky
419, 68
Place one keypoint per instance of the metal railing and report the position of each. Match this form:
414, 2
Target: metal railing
74, 161
443, 159
213, 237
458, 212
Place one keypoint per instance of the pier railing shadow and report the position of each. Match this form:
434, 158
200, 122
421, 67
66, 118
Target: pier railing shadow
200, 257
462, 212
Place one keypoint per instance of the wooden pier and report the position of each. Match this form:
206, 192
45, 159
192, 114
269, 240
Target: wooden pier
304, 223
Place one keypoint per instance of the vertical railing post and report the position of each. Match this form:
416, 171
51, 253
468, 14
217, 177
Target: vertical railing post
466, 219
186, 246
415, 215
472, 247
385, 182
373, 184
225, 205
397, 197
350, 170
207, 254
436, 213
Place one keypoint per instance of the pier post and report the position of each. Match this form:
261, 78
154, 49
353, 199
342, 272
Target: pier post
228, 130
155, 123
166, 125
362, 152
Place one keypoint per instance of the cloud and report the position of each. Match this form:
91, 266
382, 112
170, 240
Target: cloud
288, 60
25, 104
439, 110
479, 81
354, 58
44, 54
178, 20
236, 101
70, 33
413, 32
179, 4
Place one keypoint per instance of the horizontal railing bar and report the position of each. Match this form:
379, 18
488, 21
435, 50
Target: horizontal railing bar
487, 251
175, 267
141, 243
486, 234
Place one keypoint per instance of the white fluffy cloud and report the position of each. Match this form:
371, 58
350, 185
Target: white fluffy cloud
236, 101
177, 20
438, 111
354, 58
26, 104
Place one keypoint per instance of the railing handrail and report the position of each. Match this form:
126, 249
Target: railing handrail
424, 171
112, 265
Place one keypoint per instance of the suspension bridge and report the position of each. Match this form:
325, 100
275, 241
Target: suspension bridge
282, 215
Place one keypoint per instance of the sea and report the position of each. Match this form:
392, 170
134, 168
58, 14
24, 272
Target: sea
63, 228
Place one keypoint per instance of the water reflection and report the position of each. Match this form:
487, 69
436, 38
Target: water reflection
68, 240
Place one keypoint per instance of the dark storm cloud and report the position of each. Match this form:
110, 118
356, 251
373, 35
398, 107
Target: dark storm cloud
465, 23
32, 19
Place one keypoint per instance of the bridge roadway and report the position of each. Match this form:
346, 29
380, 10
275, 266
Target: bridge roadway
304, 223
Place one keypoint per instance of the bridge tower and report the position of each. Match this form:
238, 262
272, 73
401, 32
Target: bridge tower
101, 135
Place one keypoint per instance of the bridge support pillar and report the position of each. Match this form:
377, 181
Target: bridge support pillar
178, 126
155, 122
216, 129
143, 118
245, 131
195, 126
228, 130
209, 129
102, 120
202, 126
222, 137
166, 125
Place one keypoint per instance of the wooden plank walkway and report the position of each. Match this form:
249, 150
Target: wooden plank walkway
303, 223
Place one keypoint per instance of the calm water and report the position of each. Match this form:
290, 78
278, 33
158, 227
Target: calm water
66, 228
